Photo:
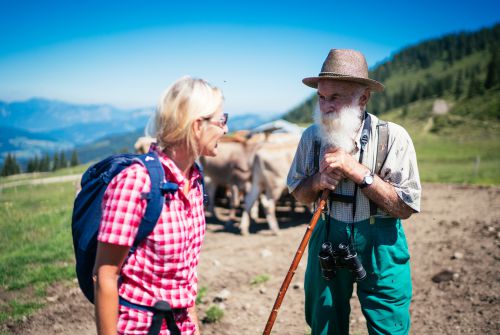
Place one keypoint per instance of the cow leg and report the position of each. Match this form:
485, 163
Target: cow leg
250, 200
234, 203
210, 188
254, 212
270, 209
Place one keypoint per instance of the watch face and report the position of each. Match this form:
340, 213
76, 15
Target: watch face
369, 179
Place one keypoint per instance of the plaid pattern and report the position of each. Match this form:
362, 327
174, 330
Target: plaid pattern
400, 169
164, 266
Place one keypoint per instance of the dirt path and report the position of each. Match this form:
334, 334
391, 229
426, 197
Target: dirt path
38, 181
457, 235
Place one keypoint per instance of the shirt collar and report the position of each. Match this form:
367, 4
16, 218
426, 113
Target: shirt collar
173, 173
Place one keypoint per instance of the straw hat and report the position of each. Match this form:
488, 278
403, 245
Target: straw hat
346, 65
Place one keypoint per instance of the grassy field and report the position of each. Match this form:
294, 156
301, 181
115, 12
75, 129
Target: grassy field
35, 245
453, 150
449, 161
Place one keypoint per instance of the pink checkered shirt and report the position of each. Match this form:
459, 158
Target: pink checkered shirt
164, 266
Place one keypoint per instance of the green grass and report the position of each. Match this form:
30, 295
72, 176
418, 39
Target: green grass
260, 279
453, 161
466, 153
35, 244
213, 314
202, 292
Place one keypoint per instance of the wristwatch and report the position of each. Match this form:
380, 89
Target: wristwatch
367, 180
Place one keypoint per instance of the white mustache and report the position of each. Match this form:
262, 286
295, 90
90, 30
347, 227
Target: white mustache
339, 129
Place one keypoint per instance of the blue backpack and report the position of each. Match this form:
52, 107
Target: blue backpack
87, 210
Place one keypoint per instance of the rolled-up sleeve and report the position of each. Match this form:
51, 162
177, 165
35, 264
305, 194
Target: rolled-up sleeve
400, 168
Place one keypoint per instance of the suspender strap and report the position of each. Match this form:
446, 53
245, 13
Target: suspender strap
382, 148
317, 146
383, 145
161, 310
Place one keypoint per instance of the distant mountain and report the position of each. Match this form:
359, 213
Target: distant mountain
24, 144
463, 69
248, 121
85, 133
37, 126
125, 142
108, 145
42, 115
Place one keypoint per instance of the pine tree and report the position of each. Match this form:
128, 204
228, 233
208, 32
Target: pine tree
45, 163
30, 167
6, 166
16, 169
459, 85
55, 162
493, 74
475, 87
74, 158
36, 164
62, 160
10, 166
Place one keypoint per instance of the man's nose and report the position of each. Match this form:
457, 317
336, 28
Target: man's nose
330, 105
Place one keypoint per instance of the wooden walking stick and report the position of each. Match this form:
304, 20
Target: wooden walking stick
295, 263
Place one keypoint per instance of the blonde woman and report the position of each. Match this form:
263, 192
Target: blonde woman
188, 124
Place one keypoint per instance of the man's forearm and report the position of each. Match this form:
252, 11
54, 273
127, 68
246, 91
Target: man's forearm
383, 194
306, 192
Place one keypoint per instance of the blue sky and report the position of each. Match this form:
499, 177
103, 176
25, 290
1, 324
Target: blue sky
127, 52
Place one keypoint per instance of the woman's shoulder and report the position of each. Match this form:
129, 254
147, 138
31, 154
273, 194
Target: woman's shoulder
132, 177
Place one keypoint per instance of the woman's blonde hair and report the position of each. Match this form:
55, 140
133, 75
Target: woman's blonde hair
185, 101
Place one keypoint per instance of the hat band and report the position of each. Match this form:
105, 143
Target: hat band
324, 74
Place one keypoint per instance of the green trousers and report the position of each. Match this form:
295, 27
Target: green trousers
384, 295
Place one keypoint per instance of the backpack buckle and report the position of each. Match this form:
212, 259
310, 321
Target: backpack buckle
168, 188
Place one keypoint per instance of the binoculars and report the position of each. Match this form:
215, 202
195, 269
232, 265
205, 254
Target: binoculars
331, 259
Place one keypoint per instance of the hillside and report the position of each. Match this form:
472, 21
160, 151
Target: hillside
463, 69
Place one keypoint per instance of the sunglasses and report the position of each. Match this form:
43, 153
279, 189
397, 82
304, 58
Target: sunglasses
221, 122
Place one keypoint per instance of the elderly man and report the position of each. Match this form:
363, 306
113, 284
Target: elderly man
370, 169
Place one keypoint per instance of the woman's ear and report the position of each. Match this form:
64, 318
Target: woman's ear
197, 128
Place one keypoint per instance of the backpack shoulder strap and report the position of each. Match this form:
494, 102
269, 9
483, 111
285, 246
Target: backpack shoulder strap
155, 197
205, 195
382, 146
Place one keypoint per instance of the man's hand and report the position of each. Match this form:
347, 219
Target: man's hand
337, 162
327, 180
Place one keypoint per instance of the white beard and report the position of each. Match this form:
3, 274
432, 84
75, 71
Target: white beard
338, 129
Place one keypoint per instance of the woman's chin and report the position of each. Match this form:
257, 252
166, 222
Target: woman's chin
210, 153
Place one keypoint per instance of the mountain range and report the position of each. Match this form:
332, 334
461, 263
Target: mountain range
37, 126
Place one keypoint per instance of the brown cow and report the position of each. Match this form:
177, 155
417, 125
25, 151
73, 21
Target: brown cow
269, 171
229, 169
